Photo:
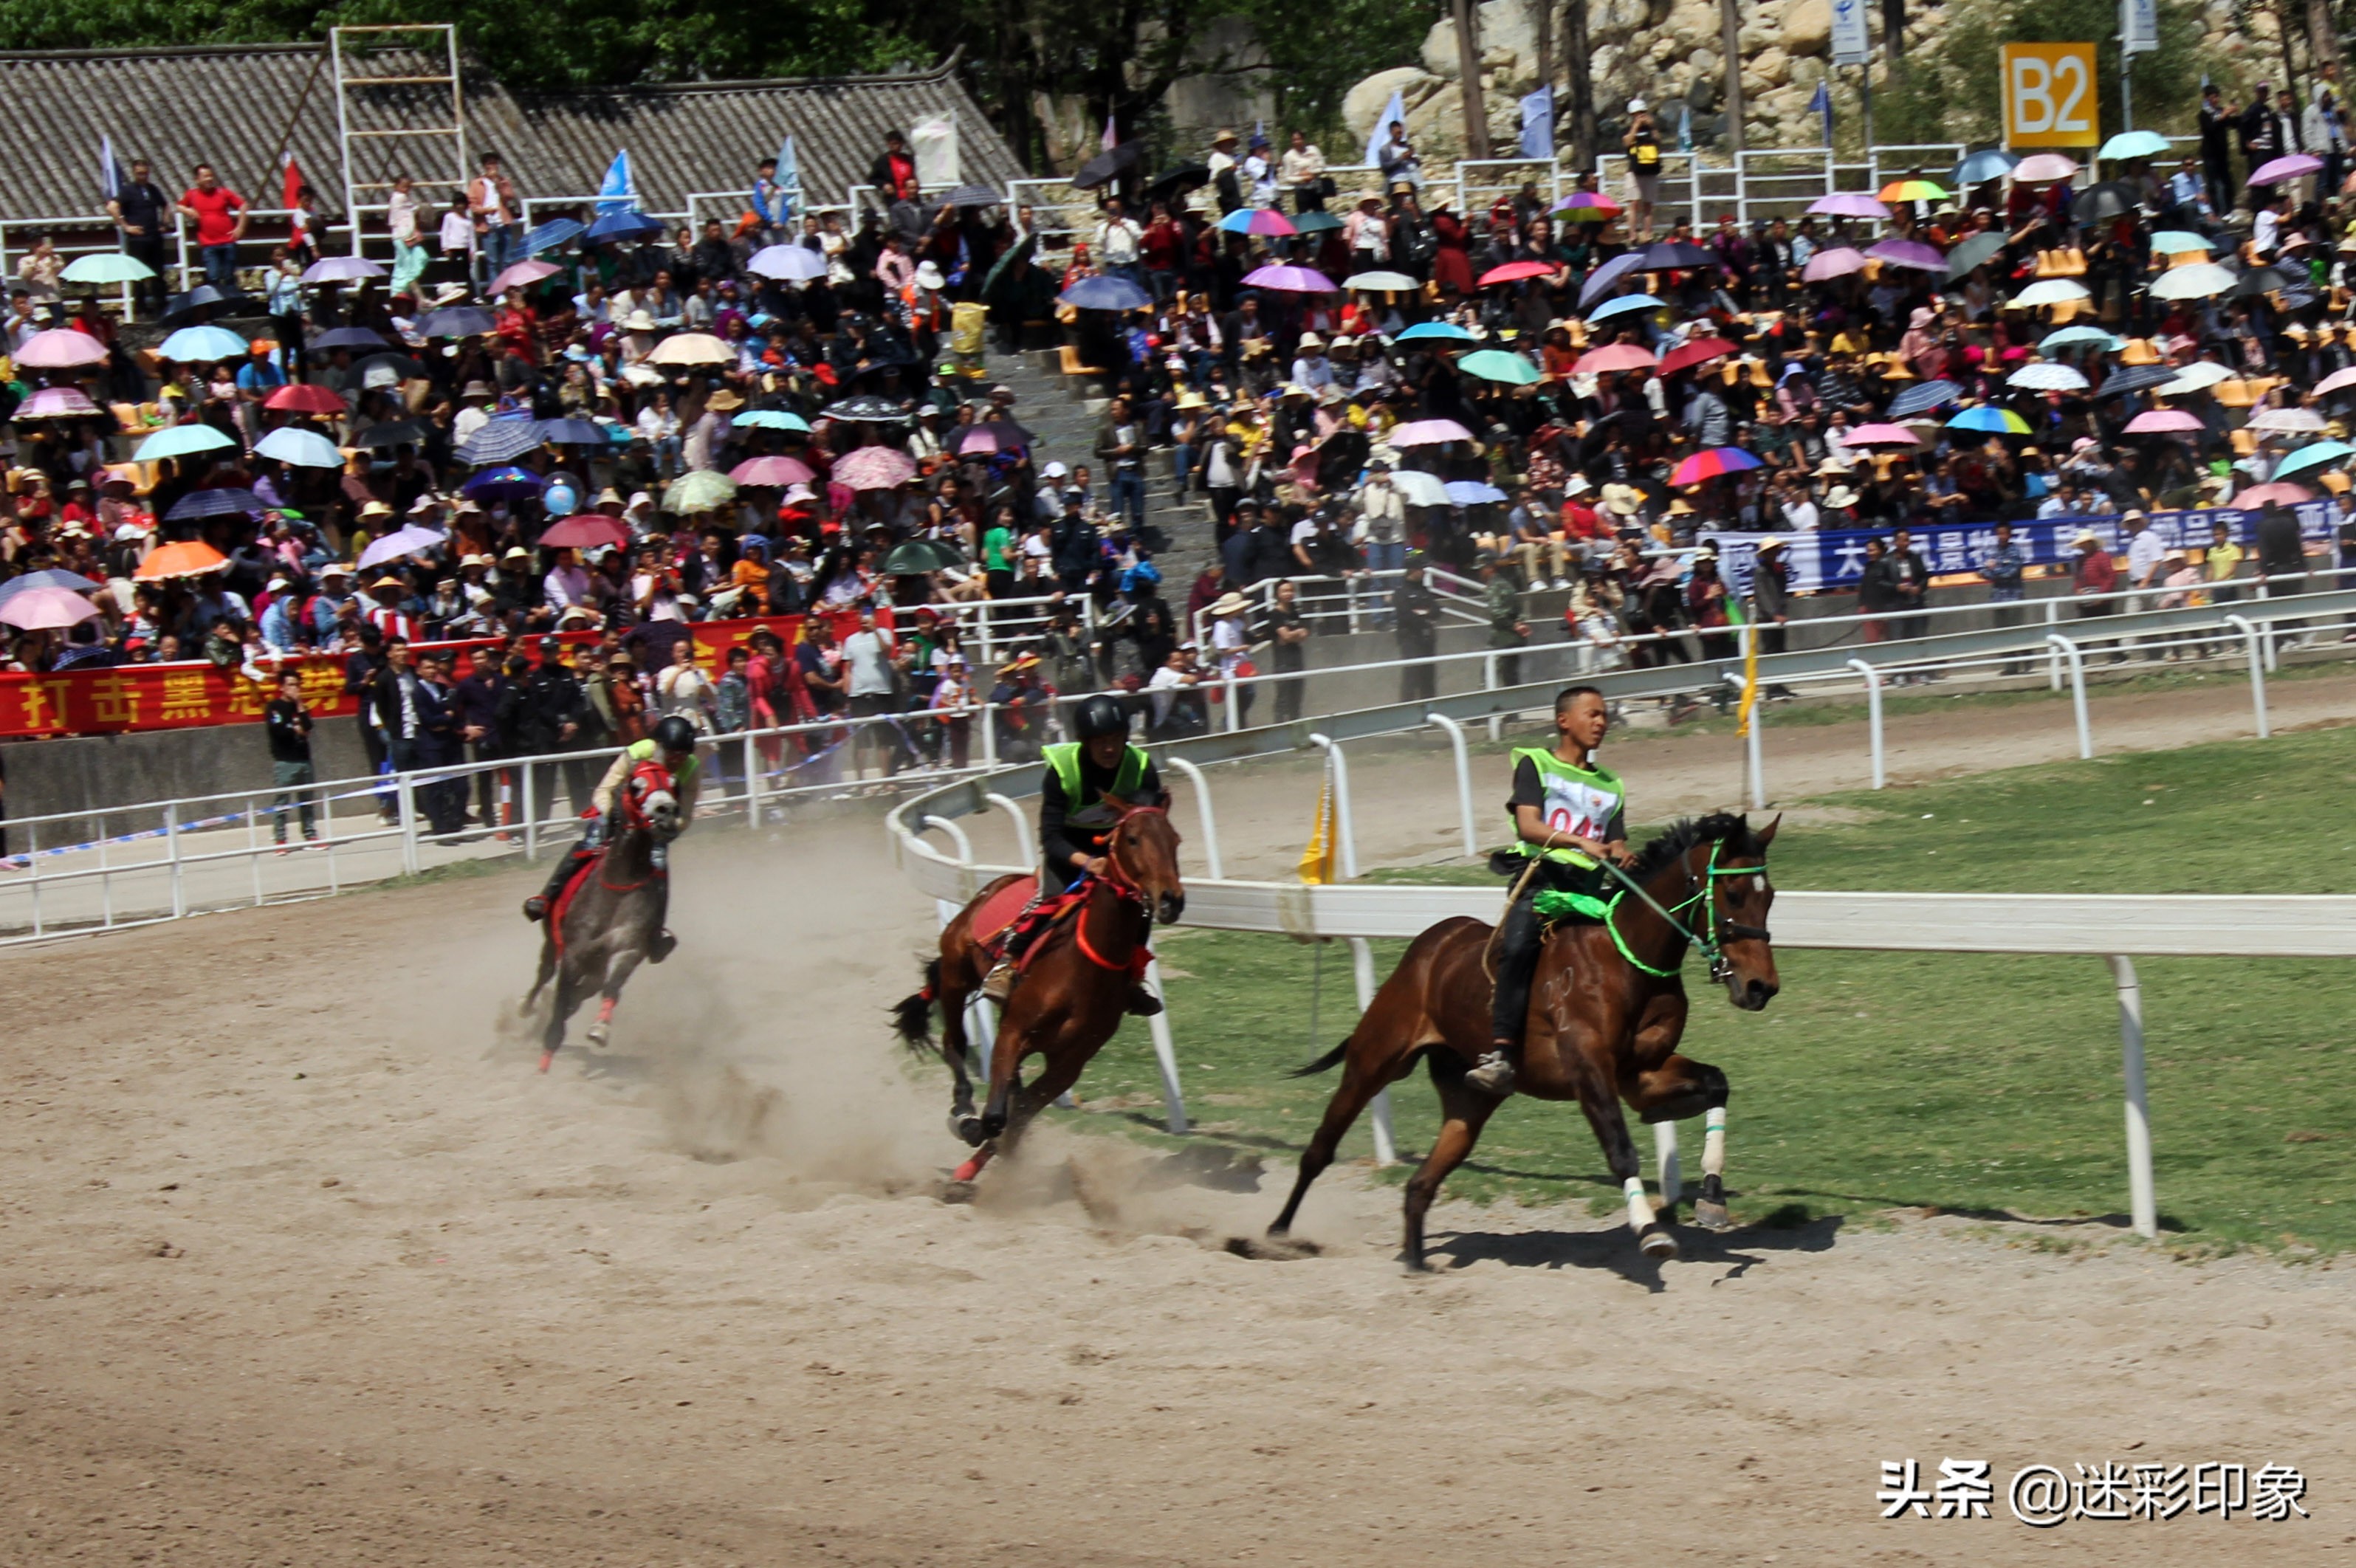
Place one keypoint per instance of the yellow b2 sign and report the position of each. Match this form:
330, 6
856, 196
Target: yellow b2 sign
2049, 95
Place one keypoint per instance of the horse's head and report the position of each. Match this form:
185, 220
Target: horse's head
1142, 850
649, 799
1735, 866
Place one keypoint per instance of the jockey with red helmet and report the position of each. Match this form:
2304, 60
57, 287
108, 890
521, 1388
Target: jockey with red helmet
673, 745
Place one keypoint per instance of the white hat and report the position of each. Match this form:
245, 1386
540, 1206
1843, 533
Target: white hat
1229, 604
1636, 106
1840, 495
1578, 485
639, 321
1054, 471
928, 276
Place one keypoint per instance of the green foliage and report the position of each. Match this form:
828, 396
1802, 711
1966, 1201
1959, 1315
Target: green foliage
1317, 53
1954, 93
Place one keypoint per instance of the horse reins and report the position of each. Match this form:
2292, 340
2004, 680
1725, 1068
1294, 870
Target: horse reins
1715, 925
1121, 882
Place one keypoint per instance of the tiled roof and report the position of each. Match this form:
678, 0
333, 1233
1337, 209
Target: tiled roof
229, 106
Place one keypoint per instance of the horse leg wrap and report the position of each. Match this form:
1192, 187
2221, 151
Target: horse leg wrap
1713, 1141
605, 1009
1640, 1208
972, 1167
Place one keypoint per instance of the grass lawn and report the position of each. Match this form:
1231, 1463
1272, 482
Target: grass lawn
1878, 1081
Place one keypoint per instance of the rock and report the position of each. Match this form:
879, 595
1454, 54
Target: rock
1508, 44
1808, 28
1773, 67
1366, 101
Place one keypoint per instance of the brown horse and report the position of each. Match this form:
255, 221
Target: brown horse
614, 917
1074, 987
1608, 1006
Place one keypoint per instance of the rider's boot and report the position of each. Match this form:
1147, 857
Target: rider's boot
1142, 1003
1000, 982
535, 907
660, 948
1493, 1074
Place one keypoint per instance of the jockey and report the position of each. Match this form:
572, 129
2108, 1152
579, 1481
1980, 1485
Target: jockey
1088, 784
1569, 815
672, 744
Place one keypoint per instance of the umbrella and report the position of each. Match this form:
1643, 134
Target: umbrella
1980, 168
303, 448
1429, 432
874, 468
1111, 163
1473, 493
970, 195
1495, 365
500, 441
181, 441
916, 558
2046, 378
1912, 254
459, 321
691, 349
43, 609
2275, 495
1672, 255
1972, 249
2043, 168
1712, 463
2074, 336
1290, 280
394, 432
1850, 204
2198, 280
701, 491
2050, 291
790, 263
2338, 381
191, 557
548, 235
411, 540
1626, 305
2287, 422
1176, 182
1700, 351
305, 397
2177, 241
632, 225
991, 437
2202, 374
62, 347
47, 577
108, 267
2162, 421
56, 403
1514, 272
1380, 282
1614, 357
2136, 144
2133, 378
1600, 281
1923, 397
573, 432
1881, 435
1838, 263
1105, 292
201, 345
228, 501
586, 530
196, 299
341, 269
868, 408
2289, 168
1989, 419
1913, 189
774, 473
1436, 331
1317, 222
2321, 454
2099, 204
2260, 281
348, 337
523, 275
1588, 206
505, 485
770, 419
1257, 220
1417, 488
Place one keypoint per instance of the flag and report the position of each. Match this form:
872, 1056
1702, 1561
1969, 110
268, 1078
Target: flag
1822, 103
290, 180
1538, 125
617, 192
1685, 128
934, 141
1111, 138
1317, 859
789, 182
1750, 663
1395, 109
111, 176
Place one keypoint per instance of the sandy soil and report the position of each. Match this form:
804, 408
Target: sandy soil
303, 1264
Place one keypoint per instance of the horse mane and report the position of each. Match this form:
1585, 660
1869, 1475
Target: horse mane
1724, 828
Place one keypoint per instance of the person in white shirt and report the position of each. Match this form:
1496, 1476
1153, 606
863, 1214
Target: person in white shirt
871, 653
1118, 238
1800, 511
1311, 368
682, 689
2146, 561
473, 414
1303, 168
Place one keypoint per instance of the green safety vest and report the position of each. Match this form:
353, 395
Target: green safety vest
1580, 801
1064, 758
648, 751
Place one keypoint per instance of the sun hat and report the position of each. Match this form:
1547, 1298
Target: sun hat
639, 321
1840, 495
1229, 603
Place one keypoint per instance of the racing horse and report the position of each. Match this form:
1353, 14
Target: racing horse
1076, 980
1608, 1007
612, 917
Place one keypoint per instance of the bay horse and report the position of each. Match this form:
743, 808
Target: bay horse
1608, 1007
597, 934
1076, 984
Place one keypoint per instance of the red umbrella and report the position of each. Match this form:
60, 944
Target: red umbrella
1514, 272
586, 530
305, 397
2279, 493
777, 472
1616, 357
1700, 351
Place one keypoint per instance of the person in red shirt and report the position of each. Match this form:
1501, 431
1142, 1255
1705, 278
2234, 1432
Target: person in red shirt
519, 327
219, 215
1164, 249
1583, 527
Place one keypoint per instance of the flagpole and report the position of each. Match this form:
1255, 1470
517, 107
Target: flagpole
286, 139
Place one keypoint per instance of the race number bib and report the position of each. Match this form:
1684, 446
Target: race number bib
1577, 808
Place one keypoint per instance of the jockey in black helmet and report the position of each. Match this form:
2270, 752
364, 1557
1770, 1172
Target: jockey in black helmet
673, 744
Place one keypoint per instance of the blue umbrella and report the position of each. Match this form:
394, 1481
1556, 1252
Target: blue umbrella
1473, 493
2316, 454
1922, 399
571, 433
349, 337
1600, 281
460, 321
500, 441
1983, 166
1106, 293
202, 346
2135, 144
623, 225
550, 235
1622, 305
1989, 419
181, 441
770, 419
47, 577
1444, 331
2070, 337
227, 501
303, 448
506, 484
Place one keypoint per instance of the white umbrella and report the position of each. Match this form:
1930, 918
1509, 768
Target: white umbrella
1417, 488
2047, 378
2197, 282
303, 448
791, 263
691, 349
2287, 422
2051, 291
2199, 375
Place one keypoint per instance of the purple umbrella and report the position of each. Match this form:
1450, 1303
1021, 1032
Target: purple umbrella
401, 542
341, 269
1599, 281
1848, 204
60, 348
506, 484
1910, 254
1430, 432
2286, 169
1292, 281
1838, 263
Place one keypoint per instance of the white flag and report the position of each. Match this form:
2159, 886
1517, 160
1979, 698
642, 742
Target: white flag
935, 143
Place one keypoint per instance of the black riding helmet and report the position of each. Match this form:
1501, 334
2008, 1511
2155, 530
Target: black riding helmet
1099, 715
675, 734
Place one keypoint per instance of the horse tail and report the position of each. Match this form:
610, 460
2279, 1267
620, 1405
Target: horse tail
911, 1015
1324, 1063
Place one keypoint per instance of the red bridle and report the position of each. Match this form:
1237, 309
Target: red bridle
1117, 876
654, 776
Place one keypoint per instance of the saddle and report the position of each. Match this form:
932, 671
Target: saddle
1002, 918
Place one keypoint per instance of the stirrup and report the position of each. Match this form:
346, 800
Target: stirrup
1492, 1075
536, 907
1000, 981
1143, 1002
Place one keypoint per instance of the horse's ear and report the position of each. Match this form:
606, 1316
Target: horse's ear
1767, 834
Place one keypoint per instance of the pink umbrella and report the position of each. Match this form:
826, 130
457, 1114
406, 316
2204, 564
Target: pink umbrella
56, 403
1850, 204
2279, 493
43, 609
60, 348
1881, 435
1263, 220
2162, 421
1292, 281
2339, 380
2038, 168
874, 468
1430, 432
1514, 272
1910, 254
774, 472
523, 275
1838, 263
2286, 169
1615, 356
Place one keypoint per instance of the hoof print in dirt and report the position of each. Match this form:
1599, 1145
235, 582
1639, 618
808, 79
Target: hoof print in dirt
956, 1192
1272, 1249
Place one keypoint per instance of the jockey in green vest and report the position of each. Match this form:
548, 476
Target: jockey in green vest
1569, 816
1088, 782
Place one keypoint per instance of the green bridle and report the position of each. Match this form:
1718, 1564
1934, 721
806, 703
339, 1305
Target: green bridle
1704, 894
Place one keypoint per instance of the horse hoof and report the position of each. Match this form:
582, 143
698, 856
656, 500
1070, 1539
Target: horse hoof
598, 1034
966, 1127
1658, 1243
1712, 1216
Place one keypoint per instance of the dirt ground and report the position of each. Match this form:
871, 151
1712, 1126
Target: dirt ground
304, 1265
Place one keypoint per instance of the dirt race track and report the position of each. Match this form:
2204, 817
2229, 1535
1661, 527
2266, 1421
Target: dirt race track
304, 1265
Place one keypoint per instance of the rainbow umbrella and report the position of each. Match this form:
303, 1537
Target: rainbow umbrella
1990, 420
1588, 206
1265, 221
1714, 463
1913, 190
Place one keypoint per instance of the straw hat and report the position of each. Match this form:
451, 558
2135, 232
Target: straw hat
1772, 542
2086, 537
375, 509
1228, 604
1840, 495
387, 580
639, 321
722, 401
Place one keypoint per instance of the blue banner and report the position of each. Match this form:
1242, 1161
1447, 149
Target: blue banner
617, 192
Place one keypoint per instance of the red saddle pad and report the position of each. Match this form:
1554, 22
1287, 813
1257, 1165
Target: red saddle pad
998, 910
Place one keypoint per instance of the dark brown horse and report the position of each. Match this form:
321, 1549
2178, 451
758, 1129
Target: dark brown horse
614, 916
1074, 987
1607, 1009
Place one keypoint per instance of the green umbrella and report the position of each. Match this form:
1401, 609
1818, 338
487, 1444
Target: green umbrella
917, 557
1972, 251
995, 288
108, 267
699, 492
1495, 365
1315, 223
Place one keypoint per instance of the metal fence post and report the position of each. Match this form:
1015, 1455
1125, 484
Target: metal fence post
751, 781
530, 813
2070, 651
1234, 704
1201, 814
405, 792
2053, 619
1165, 1056
1463, 779
1362, 970
1873, 711
1753, 764
172, 845
2142, 1204
2257, 672
1489, 683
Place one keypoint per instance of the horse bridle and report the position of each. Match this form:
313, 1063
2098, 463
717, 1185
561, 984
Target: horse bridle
1118, 877
1718, 928
633, 811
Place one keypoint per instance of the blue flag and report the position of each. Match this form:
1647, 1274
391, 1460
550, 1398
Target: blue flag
1685, 128
111, 176
1538, 124
617, 193
1822, 103
1395, 109
789, 182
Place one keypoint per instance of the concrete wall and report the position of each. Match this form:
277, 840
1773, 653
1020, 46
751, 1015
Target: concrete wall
86, 773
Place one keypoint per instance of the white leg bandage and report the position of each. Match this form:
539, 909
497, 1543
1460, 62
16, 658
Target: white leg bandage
1640, 1208
1665, 1144
1713, 1142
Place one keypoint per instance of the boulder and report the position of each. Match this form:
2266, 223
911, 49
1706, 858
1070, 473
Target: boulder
1773, 66
1366, 101
1508, 45
1808, 28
